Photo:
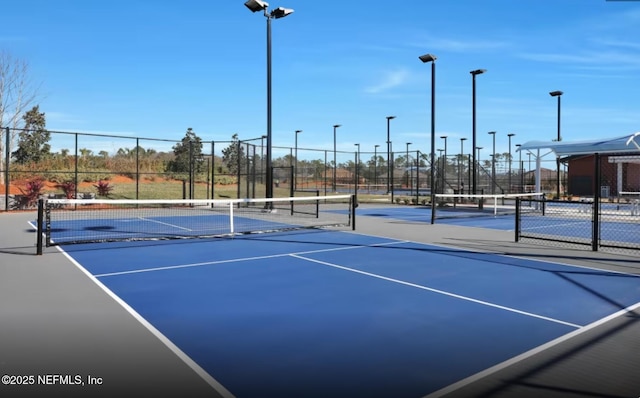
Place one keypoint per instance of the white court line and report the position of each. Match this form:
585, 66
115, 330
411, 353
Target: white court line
439, 292
164, 223
519, 358
549, 226
171, 267
168, 343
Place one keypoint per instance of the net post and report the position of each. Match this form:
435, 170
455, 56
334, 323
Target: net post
231, 226
40, 222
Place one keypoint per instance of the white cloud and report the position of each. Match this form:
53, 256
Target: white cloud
595, 59
388, 81
454, 45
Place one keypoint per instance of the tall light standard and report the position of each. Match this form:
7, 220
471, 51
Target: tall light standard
295, 174
478, 148
389, 118
335, 165
493, 163
262, 156
432, 58
357, 167
460, 163
375, 165
410, 171
441, 179
520, 167
558, 94
510, 135
280, 12
474, 73
444, 163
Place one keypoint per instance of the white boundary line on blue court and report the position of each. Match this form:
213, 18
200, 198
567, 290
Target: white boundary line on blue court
454, 295
466, 381
234, 260
168, 343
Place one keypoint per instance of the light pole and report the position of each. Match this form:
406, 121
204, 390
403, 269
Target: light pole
280, 12
295, 174
520, 167
493, 164
357, 167
432, 58
262, 157
478, 148
335, 165
460, 179
474, 73
444, 163
375, 165
389, 118
510, 135
441, 180
558, 94
410, 171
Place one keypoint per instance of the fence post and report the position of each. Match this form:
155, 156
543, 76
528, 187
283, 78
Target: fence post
137, 168
7, 181
213, 169
517, 226
39, 229
75, 194
595, 211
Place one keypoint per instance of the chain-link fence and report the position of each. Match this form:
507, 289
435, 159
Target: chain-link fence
603, 212
84, 164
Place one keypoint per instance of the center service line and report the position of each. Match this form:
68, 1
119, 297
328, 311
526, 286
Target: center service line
440, 292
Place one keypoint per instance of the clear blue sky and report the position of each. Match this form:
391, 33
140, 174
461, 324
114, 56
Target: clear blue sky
152, 68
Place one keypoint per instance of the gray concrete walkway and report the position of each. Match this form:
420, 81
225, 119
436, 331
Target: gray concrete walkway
56, 321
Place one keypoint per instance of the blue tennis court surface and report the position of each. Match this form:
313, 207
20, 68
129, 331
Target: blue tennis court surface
325, 313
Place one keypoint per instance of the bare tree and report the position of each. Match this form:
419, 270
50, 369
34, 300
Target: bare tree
17, 94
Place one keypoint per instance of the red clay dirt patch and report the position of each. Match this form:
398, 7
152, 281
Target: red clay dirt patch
49, 186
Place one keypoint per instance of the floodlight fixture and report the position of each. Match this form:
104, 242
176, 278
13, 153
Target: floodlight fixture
256, 5
478, 71
427, 58
556, 93
281, 12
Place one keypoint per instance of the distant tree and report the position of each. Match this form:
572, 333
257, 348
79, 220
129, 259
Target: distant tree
188, 154
233, 155
85, 152
33, 140
17, 94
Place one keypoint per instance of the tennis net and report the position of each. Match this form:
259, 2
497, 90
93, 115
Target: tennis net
67, 221
481, 205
